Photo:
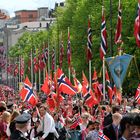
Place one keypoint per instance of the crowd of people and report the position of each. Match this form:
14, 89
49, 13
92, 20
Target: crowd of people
72, 120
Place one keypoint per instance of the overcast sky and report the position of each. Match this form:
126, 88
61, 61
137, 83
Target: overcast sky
14, 5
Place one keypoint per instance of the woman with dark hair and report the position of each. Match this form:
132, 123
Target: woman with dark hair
127, 126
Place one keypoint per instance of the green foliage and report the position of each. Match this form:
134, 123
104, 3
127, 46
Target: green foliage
75, 16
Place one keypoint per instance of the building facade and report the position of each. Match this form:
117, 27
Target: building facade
26, 16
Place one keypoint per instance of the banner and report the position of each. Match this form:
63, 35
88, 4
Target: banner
118, 68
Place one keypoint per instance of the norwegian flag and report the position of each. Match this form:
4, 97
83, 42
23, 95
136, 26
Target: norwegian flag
96, 86
89, 42
110, 90
46, 54
103, 47
101, 136
16, 70
89, 97
53, 59
61, 54
36, 65
118, 35
137, 26
95, 82
22, 67
77, 84
27, 94
64, 85
41, 61
69, 49
46, 86
137, 96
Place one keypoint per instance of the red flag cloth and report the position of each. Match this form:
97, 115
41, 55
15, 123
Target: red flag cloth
137, 96
137, 26
110, 90
119, 26
16, 70
27, 94
51, 103
95, 82
61, 54
41, 61
36, 65
64, 85
96, 86
22, 67
89, 42
69, 50
77, 84
76, 121
103, 47
46, 86
89, 97
53, 59
101, 136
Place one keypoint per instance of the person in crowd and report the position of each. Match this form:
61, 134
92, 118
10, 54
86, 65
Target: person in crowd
47, 126
12, 124
127, 126
76, 119
108, 116
112, 130
23, 123
136, 134
35, 121
89, 128
5, 119
85, 120
2, 107
93, 134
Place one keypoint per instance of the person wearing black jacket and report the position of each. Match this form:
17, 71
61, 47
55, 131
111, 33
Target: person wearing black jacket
112, 130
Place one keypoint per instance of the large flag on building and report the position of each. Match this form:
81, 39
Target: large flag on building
103, 47
137, 26
118, 67
64, 84
118, 35
61, 54
89, 42
137, 96
27, 94
69, 49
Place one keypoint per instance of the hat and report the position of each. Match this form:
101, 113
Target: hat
23, 118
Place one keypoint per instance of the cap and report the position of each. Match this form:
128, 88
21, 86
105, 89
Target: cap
23, 118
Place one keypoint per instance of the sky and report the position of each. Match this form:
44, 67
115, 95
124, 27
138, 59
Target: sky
14, 5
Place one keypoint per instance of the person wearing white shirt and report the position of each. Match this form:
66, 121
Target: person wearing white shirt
47, 124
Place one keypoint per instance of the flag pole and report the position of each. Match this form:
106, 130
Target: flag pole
19, 69
69, 54
48, 59
31, 66
39, 79
90, 73
104, 78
